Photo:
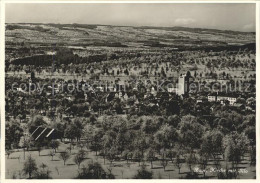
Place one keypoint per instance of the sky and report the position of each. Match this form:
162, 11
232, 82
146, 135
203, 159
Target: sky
224, 16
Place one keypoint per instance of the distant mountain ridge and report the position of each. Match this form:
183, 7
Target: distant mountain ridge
173, 28
125, 36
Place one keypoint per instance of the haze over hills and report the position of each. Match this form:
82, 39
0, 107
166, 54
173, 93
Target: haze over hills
124, 36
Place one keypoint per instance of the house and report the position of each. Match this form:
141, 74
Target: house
162, 95
202, 99
231, 99
153, 91
239, 106
212, 98
216, 97
110, 96
172, 90
137, 102
249, 108
126, 96
44, 133
120, 94
126, 109
86, 96
70, 97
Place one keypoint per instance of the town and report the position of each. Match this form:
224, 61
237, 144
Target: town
129, 108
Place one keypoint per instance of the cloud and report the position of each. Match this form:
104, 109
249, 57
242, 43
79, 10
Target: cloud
249, 27
184, 21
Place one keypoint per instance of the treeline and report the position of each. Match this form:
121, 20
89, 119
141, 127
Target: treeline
37, 60
62, 57
36, 28
197, 30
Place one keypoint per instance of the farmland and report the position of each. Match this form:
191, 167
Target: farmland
119, 99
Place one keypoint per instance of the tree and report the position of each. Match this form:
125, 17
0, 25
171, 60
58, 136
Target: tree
142, 173
138, 156
241, 100
37, 120
126, 72
80, 145
13, 134
26, 143
94, 171
173, 108
8, 152
39, 145
203, 162
178, 162
80, 126
191, 131
42, 174
195, 73
55, 144
171, 154
110, 175
165, 136
174, 120
229, 120
52, 154
212, 143
227, 174
64, 156
43, 166
127, 155
191, 159
82, 153
79, 157
29, 166
236, 145
70, 132
96, 140
122, 139
140, 144
164, 163
74, 130
111, 155
252, 153
151, 156
149, 125
78, 160
163, 72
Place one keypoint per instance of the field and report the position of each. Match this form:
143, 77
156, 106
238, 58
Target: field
156, 121
121, 169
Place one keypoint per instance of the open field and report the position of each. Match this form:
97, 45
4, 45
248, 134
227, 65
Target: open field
119, 168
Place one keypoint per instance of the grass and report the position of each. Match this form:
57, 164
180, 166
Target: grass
119, 168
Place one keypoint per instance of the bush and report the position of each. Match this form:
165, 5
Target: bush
94, 171
191, 175
29, 166
42, 174
143, 174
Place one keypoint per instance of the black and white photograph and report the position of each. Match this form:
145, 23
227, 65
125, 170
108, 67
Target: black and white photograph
130, 90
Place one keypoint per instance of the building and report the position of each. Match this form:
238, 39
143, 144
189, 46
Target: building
184, 81
215, 97
42, 133
181, 84
153, 91
172, 90
202, 99
231, 99
239, 106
